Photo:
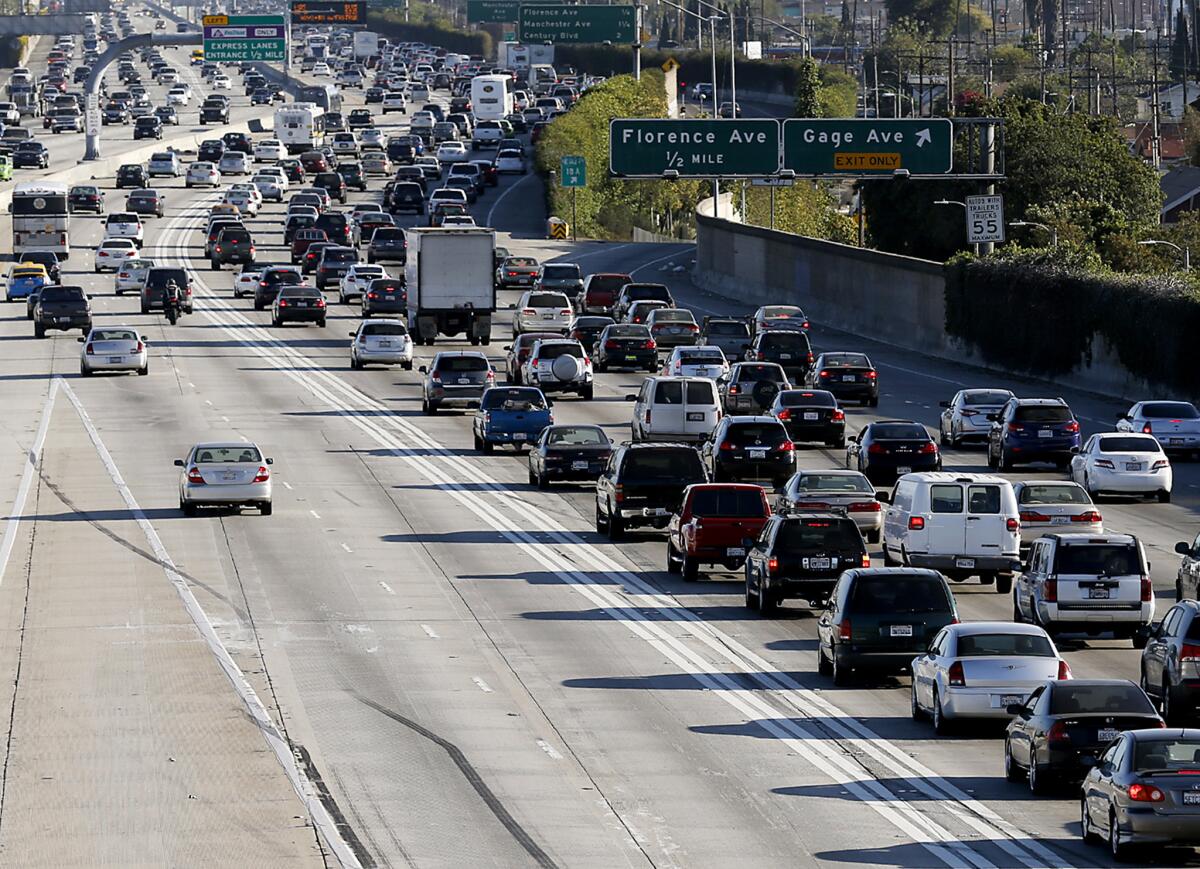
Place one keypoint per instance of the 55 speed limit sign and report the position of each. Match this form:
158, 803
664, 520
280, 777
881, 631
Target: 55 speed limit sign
985, 219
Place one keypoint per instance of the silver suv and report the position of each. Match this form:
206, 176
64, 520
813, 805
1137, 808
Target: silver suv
457, 378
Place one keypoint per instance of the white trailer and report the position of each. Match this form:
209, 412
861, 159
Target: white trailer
451, 283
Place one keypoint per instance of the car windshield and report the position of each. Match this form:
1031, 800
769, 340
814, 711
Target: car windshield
114, 335
1068, 493
728, 502
896, 594
513, 398
576, 436
675, 464
898, 431
798, 535
801, 398
845, 360
835, 483
1001, 645
462, 363
754, 433
547, 300
213, 455
1133, 444
756, 373
560, 272
1070, 699
1098, 559
1169, 410
1043, 413
985, 397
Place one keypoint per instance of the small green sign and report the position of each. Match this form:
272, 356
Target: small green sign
573, 171
559, 23
492, 11
868, 146
710, 148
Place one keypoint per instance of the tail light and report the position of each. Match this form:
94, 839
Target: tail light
838, 415
844, 629
435, 376
916, 523
1058, 733
263, 474
1072, 427
91, 350
804, 325
823, 374
140, 347
810, 358
1190, 653
1050, 590
650, 345
787, 447
320, 303
1144, 793
772, 564
1159, 465
528, 311
784, 415
1146, 429
534, 362
618, 493
1030, 516
692, 327
866, 560
1064, 671
610, 345
1015, 427
865, 507
566, 312
760, 356
1089, 516
194, 476
1104, 463
870, 375
1012, 525
726, 446
362, 339
283, 303
1147, 589
876, 449
956, 677
928, 449
491, 377
734, 389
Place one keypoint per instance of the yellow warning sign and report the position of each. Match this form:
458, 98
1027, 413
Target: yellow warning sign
558, 230
670, 64
215, 20
866, 161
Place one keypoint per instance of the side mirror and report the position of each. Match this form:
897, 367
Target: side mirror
90, 296
631, 397
748, 543
883, 497
507, 346
270, 461
549, 401
943, 404
1121, 416
351, 334
1074, 451
81, 340
1183, 549
179, 463
1087, 761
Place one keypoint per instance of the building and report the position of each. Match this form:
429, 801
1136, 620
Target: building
1181, 192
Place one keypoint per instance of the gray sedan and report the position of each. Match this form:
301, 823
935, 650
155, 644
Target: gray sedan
234, 474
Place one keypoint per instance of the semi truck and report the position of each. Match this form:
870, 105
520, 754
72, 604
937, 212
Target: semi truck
450, 275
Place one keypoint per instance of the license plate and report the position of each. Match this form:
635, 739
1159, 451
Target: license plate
229, 475
519, 436
654, 511
1045, 433
302, 304
1011, 700
386, 344
114, 360
904, 469
902, 630
758, 454
819, 563
1108, 734
1098, 593
785, 355
734, 551
695, 417
1176, 441
631, 359
812, 416
463, 380
547, 316
581, 465
966, 563
1133, 466
847, 378
1060, 520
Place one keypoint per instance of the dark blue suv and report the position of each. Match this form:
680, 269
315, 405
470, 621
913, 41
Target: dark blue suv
1032, 430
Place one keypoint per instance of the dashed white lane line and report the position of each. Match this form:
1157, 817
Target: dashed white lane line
388, 589
315, 514
554, 753
482, 685
286, 485
347, 548
433, 635
32, 459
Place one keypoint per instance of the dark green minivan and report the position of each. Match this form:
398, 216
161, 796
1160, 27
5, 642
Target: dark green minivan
880, 618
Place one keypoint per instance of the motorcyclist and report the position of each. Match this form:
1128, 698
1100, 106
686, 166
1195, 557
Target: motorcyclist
172, 301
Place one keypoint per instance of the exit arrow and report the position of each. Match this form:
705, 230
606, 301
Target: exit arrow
924, 137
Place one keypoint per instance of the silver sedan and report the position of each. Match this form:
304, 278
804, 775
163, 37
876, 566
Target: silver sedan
966, 415
113, 348
233, 474
1174, 424
1055, 505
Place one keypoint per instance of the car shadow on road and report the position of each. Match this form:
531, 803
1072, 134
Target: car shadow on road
999, 854
543, 577
690, 682
460, 537
910, 789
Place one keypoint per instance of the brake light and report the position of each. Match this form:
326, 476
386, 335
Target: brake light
1015, 427
957, 678
1189, 652
844, 630
194, 476
1104, 463
1144, 793
528, 311
772, 564
928, 448
1146, 429
1147, 589
1073, 427
761, 356
263, 474
810, 357
1159, 465
610, 345
876, 449
1058, 733
566, 312
838, 415
1064, 670
916, 523
491, 377
864, 507
784, 415
1089, 516
1050, 590
1012, 525
1030, 516
320, 303
619, 493
734, 389
870, 375
140, 347
726, 446
823, 373
804, 325
650, 345
692, 327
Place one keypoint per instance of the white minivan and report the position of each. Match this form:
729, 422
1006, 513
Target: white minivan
961, 524
675, 409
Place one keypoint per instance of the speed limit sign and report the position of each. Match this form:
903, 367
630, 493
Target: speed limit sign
985, 219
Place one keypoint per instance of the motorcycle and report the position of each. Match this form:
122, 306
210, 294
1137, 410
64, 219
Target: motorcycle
171, 305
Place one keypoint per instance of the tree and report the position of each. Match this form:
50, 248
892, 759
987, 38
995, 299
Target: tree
1181, 48
808, 90
937, 17
664, 31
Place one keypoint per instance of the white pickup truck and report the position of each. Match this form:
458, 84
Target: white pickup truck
487, 135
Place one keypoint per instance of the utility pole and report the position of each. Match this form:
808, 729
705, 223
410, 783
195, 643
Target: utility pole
1154, 140
950, 80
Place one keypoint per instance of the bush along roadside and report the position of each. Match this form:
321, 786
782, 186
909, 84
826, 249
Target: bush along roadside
391, 24
1040, 311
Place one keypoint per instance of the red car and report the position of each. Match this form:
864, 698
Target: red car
314, 161
303, 240
713, 524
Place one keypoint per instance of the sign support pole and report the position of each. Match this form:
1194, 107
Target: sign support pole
772, 207
637, 42
988, 143
574, 190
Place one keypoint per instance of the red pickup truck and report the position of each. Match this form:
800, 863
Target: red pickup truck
712, 525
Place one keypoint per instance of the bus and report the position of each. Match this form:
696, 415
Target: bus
328, 97
40, 218
491, 97
300, 127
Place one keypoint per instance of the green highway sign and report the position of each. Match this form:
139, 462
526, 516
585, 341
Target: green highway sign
245, 37
559, 23
870, 146
573, 171
492, 11
713, 148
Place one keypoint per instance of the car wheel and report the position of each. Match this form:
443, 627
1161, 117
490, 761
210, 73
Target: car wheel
264, 508
1017, 616
1012, 772
941, 724
914, 708
1004, 583
84, 371
1165, 704
1034, 776
839, 672
1004, 462
38, 331
1164, 497
144, 370
187, 508
873, 536
991, 459
601, 522
689, 567
1087, 831
543, 482
674, 561
616, 527
1118, 849
321, 323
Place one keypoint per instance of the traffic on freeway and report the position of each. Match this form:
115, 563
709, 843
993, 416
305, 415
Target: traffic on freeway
349, 520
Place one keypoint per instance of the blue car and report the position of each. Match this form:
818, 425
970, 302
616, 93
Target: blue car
23, 283
510, 415
1028, 430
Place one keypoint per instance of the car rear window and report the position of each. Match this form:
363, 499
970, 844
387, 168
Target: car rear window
515, 398
560, 272
796, 341
1129, 445
339, 255
208, 455
1098, 559
462, 363
898, 431
1070, 494
782, 311
836, 483
158, 278
898, 594
607, 283
728, 502
799, 535
1069, 699
995, 399
61, 294
701, 357
547, 300
1002, 645
803, 398
235, 235
1166, 753
1169, 410
300, 292
756, 373
576, 436
673, 315
639, 292
681, 464
553, 351
753, 432
845, 360
1043, 413
719, 328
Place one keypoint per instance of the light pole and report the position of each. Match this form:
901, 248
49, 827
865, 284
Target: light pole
1053, 232
961, 205
732, 59
805, 41
1187, 254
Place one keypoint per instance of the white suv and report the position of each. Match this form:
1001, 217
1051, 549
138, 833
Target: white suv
541, 311
559, 365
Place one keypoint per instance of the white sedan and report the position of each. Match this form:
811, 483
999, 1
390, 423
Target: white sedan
268, 186
510, 161
1048, 506
202, 173
370, 137
394, 101
180, 95
114, 252
381, 342
702, 361
243, 199
357, 281
124, 224
224, 475
269, 150
131, 274
980, 669
320, 69
966, 415
1120, 463
452, 152
221, 82
246, 282
234, 163
113, 348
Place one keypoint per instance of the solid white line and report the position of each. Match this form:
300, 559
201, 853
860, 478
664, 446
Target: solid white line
487, 221
483, 686
32, 459
653, 261
279, 745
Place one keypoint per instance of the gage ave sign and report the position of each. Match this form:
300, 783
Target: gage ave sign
921, 146
658, 147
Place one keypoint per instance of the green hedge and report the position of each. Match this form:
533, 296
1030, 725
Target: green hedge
694, 66
1028, 314
10, 50
391, 24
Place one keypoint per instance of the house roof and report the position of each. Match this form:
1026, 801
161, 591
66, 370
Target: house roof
1179, 185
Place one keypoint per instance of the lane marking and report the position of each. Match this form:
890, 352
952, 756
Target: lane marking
315, 514
347, 548
487, 221
286, 485
300, 782
482, 685
32, 459
658, 260
433, 635
549, 749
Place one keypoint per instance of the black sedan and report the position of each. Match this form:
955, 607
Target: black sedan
890, 448
586, 330
115, 113
811, 415
625, 345
168, 115
85, 197
846, 375
298, 303
568, 452
373, 95
145, 201
132, 175
748, 449
1061, 728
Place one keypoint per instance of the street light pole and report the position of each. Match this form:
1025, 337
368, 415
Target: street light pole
1053, 232
732, 59
961, 205
1187, 253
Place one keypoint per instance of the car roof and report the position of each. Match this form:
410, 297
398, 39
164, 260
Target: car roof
223, 445
836, 472
969, 629
1044, 402
748, 419
955, 477
1080, 538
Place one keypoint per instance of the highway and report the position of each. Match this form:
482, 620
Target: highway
460, 672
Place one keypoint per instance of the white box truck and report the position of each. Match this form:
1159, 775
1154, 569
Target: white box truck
366, 44
450, 275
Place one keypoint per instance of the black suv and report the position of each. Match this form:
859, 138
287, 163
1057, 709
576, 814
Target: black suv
238, 142
643, 484
406, 196
335, 261
132, 175
1171, 663
234, 245
1032, 430
147, 127
62, 308
269, 282
750, 448
801, 555
332, 183
210, 151
790, 349
625, 345
387, 243
214, 110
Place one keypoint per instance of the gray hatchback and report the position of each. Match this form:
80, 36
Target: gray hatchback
457, 378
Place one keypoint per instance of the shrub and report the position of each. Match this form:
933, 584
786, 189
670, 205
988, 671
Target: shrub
391, 24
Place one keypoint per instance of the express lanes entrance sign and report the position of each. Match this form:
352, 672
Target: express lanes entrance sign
709, 148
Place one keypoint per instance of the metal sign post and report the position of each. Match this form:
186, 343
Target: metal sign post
985, 219
573, 174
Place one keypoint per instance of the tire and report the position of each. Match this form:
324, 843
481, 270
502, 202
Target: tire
914, 708
1164, 497
1169, 715
1089, 835
144, 370
1012, 772
1035, 778
1118, 849
616, 527
674, 562
321, 323
768, 604
941, 725
689, 568
188, 509
587, 392
1004, 583
1003, 462
601, 523
824, 667
84, 371
265, 508
873, 536
839, 674
542, 482
991, 460
39, 331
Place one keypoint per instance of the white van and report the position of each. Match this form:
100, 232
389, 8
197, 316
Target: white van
675, 409
961, 524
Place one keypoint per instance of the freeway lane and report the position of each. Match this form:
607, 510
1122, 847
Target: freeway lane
473, 674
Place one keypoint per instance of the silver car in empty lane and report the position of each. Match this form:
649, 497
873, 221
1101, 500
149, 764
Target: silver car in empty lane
233, 474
